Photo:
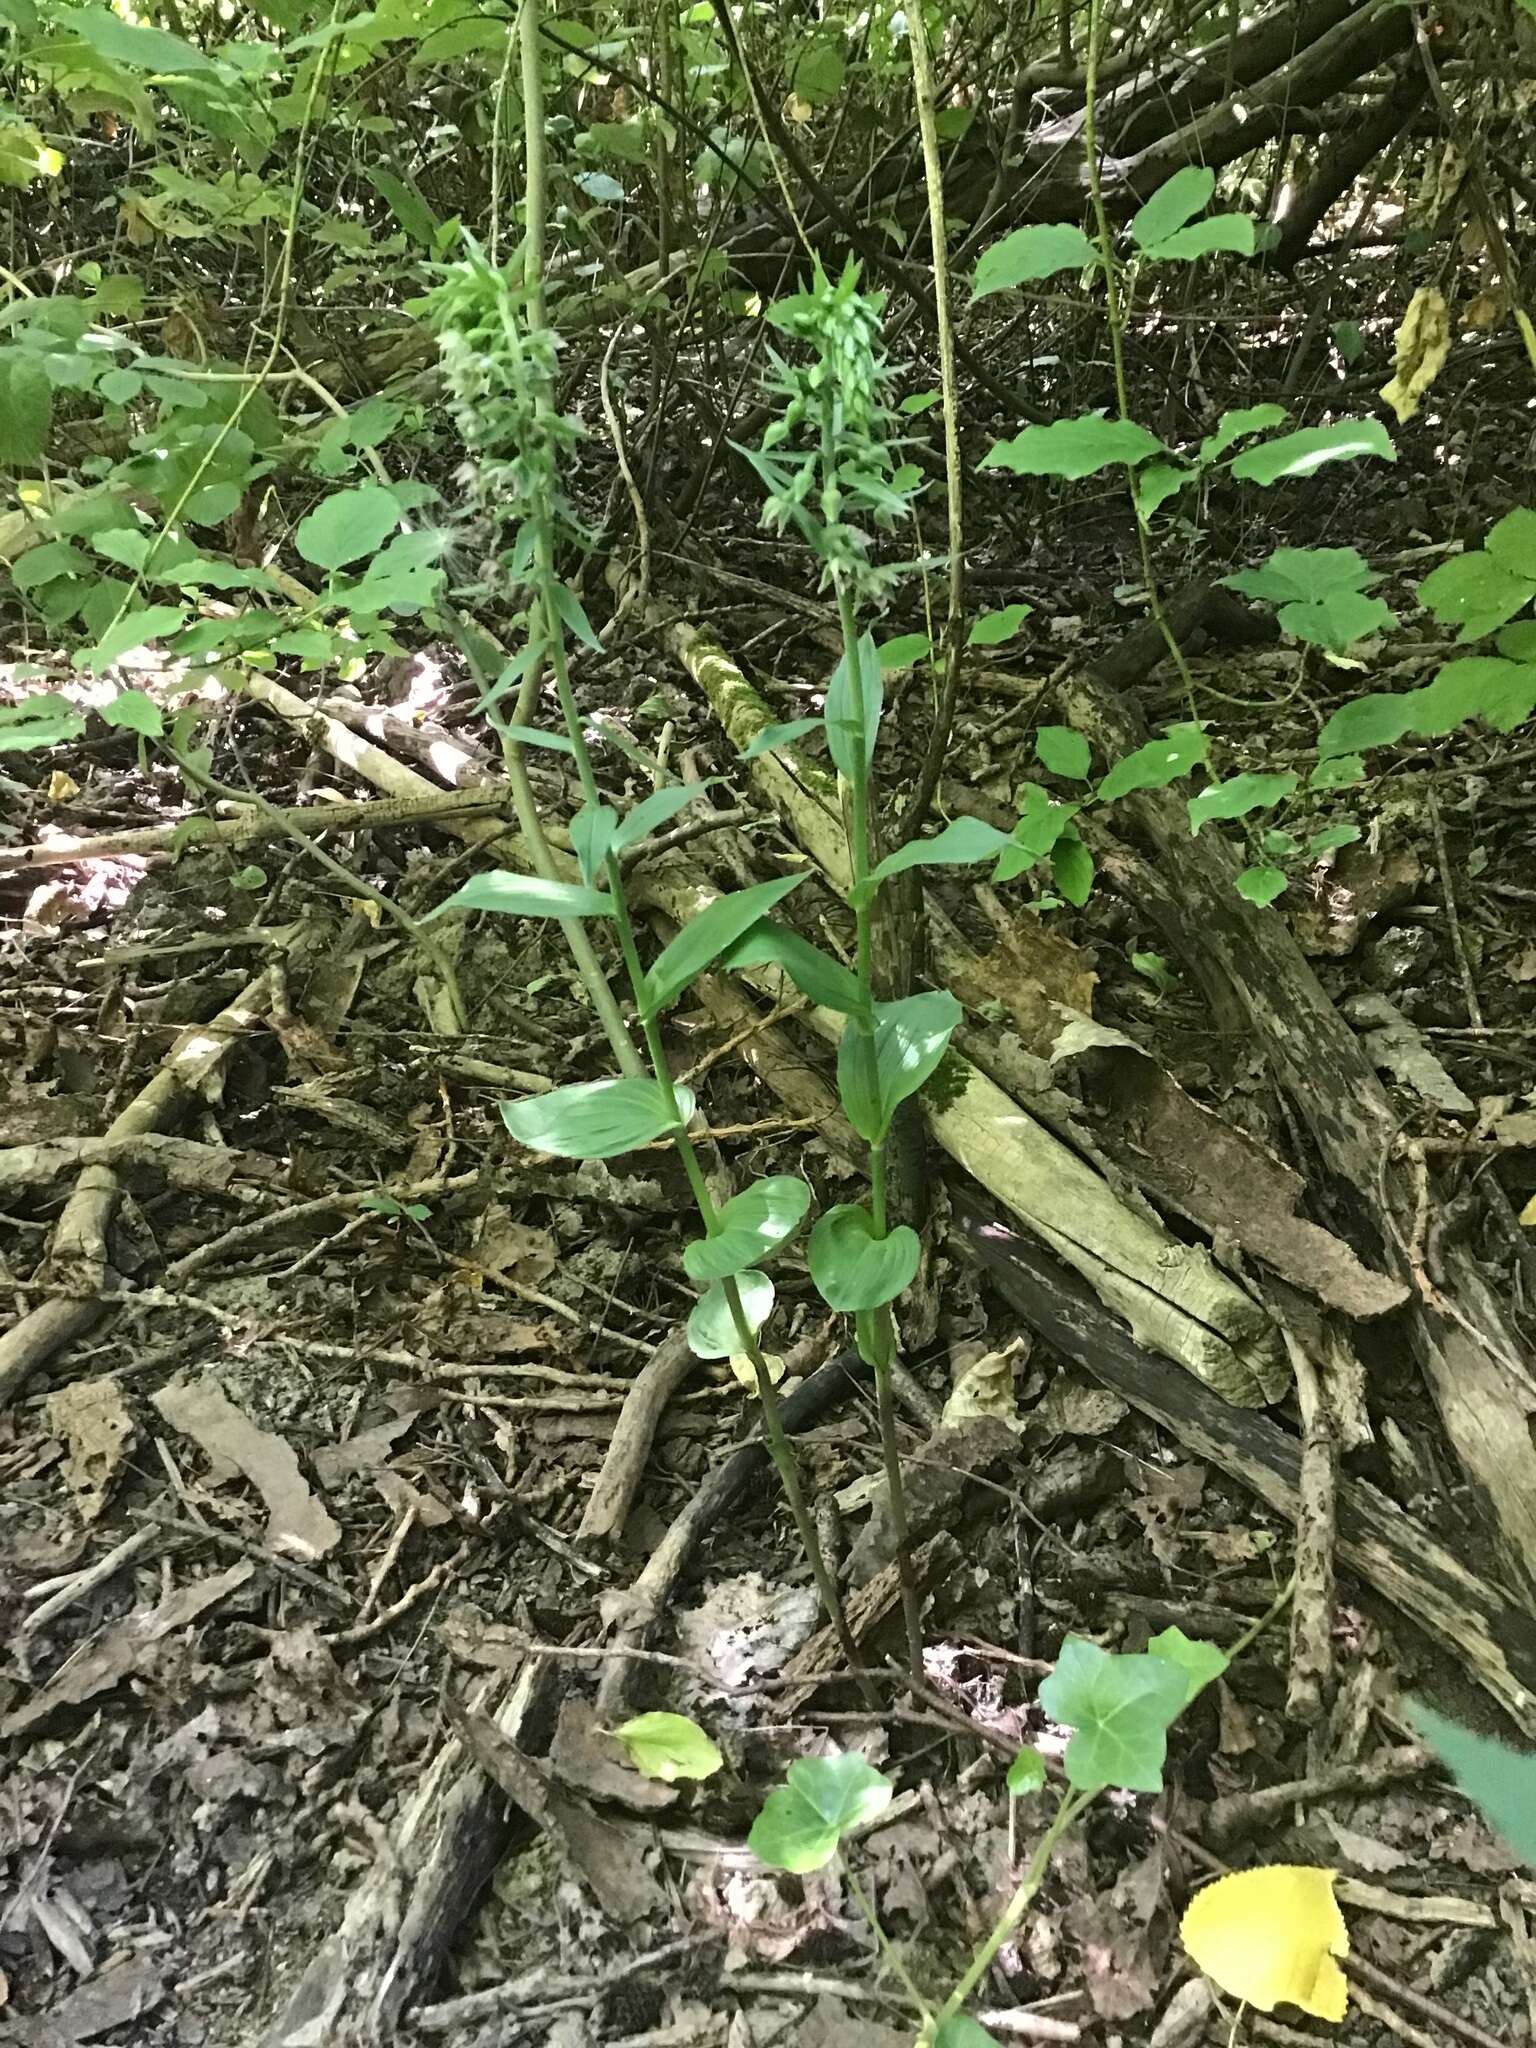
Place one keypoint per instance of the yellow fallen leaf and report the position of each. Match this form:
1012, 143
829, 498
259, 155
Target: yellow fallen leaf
1528, 1213
61, 787
1423, 343
1269, 1937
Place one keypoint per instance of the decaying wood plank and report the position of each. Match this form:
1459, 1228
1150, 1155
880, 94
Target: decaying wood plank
1491, 1626
1250, 964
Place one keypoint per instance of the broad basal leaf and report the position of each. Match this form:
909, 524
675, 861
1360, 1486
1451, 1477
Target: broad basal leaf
749, 1226
854, 1270
597, 1119
712, 1331
515, 895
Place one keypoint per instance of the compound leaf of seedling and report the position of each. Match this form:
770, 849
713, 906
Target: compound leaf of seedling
751, 1224
821, 1799
597, 1119
1119, 1709
669, 1747
712, 1331
1200, 1662
1269, 1937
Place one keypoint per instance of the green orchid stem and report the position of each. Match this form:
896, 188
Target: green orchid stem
1073, 1803
780, 1449
877, 1330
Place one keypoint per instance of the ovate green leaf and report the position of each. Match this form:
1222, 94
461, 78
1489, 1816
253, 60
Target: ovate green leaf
749, 1226
597, 1119
1029, 254
1158, 763
704, 938
1063, 752
712, 1331
669, 1747
1072, 448
346, 526
853, 1269
1238, 796
1305, 451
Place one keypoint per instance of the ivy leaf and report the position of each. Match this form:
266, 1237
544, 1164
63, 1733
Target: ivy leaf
993, 628
1200, 1662
1305, 451
853, 1269
1237, 797
514, 895
1119, 1709
668, 1747
347, 525
822, 1797
1026, 1773
712, 1331
1072, 448
749, 1226
1269, 1937
1158, 763
1029, 254
1061, 751
597, 1119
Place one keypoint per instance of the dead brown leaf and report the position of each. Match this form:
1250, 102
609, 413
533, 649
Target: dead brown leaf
99, 1432
297, 1526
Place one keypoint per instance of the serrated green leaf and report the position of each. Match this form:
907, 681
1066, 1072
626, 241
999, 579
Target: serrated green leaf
1336, 619
1177, 200
668, 1747
1238, 796
514, 895
1476, 592
993, 628
1238, 425
704, 938
1305, 451
1302, 574
597, 1119
853, 1269
1063, 752
963, 843
1159, 762
1029, 254
1200, 1662
821, 1799
748, 1227
347, 525
1073, 448
712, 1331
1260, 885
1119, 1709
41, 721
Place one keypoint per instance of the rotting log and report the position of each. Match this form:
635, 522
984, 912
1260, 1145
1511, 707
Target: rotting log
1482, 1619
1250, 965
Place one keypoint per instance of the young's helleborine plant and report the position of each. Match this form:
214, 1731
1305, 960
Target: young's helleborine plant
501, 357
